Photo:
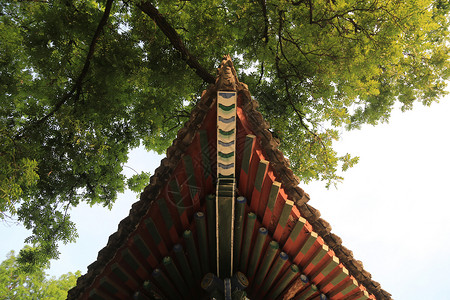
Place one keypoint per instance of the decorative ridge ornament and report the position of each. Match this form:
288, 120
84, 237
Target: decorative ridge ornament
226, 75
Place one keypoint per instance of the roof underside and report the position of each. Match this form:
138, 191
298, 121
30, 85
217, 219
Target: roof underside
167, 244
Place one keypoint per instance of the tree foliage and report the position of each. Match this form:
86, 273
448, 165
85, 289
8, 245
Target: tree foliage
15, 283
83, 82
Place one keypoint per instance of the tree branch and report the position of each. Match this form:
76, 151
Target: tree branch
78, 83
266, 21
175, 40
300, 114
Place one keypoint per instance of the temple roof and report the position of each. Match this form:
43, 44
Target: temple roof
147, 241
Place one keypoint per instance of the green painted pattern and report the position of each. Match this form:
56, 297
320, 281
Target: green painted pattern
267, 261
119, 272
322, 252
94, 294
274, 271
330, 266
287, 208
297, 228
227, 160
340, 276
273, 194
350, 288
309, 242
175, 275
225, 155
190, 173
151, 227
200, 225
205, 148
226, 176
248, 150
192, 254
165, 212
226, 133
260, 174
129, 258
141, 246
284, 281
256, 253
238, 229
249, 227
174, 189
165, 285
211, 223
226, 108
108, 286
184, 265
309, 292
224, 228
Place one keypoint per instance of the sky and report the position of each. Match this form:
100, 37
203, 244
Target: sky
391, 210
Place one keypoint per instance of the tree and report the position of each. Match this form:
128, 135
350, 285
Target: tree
83, 82
15, 283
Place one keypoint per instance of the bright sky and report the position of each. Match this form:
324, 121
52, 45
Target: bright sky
391, 210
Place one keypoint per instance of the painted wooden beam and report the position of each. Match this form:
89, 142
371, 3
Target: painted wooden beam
282, 221
200, 225
177, 198
140, 296
226, 165
307, 293
134, 264
239, 214
225, 227
249, 145
165, 285
192, 255
268, 213
267, 261
363, 295
284, 281
307, 245
151, 289
145, 251
206, 154
167, 217
296, 286
124, 276
315, 259
96, 294
246, 244
294, 241
256, 252
325, 270
274, 273
334, 278
257, 187
184, 265
193, 185
175, 276
110, 287
211, 223
157, 239
320, 297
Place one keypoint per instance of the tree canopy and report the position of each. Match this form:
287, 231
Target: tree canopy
19, 284
83, 82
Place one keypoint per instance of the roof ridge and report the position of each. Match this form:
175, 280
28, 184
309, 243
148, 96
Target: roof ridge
226, 75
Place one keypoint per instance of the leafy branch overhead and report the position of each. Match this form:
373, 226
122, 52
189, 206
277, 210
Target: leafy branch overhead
83, 82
